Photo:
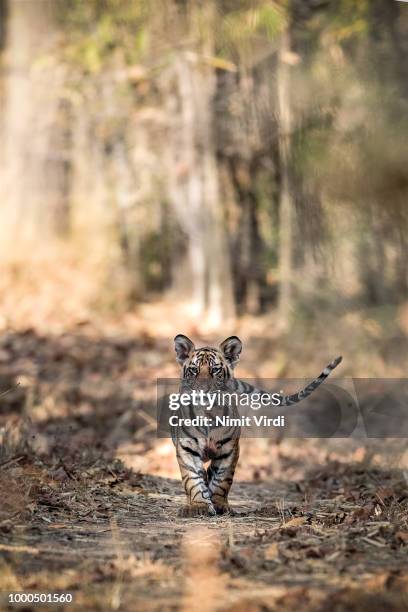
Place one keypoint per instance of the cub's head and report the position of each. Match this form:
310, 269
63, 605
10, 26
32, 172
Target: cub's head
207, 364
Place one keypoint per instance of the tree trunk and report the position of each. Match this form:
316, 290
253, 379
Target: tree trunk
194, 175
3, 22
35, 175
286, 200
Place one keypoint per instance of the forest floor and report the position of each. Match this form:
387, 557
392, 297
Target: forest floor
89, 495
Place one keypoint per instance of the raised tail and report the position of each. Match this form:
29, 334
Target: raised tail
288, 400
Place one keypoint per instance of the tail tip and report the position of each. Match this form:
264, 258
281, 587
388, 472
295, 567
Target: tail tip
337, 361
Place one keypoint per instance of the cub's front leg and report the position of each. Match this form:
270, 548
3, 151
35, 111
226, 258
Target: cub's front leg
221, 475
194, 478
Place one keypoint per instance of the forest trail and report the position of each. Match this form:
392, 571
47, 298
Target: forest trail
90, 496
113, 539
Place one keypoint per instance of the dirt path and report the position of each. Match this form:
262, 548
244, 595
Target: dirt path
113, 538
87, 505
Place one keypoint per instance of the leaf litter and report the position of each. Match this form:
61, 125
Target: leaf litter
89, 497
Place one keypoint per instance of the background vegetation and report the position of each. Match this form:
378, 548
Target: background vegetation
235, 158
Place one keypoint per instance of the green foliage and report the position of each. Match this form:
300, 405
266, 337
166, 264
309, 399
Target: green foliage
241, 28
347, 19
100, 30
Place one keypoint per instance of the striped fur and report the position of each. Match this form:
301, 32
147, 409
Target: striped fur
212, 369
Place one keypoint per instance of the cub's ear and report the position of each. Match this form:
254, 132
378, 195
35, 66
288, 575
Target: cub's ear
183, 347
231, 347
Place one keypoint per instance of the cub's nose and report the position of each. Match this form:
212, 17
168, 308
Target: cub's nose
210, 453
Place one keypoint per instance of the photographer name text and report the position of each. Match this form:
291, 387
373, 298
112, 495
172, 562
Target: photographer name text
227, 421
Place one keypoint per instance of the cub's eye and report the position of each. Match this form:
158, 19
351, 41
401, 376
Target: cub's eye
193, 370
216, 369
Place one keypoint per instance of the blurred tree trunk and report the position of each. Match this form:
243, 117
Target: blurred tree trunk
36, 168
3, 21
286, 200
248, 274
389, 42
193, 169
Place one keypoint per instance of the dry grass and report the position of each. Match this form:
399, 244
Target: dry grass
50, 289
62, 286
19, 487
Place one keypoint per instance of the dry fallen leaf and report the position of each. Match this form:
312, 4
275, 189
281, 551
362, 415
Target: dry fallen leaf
272, 552
298, 521
377, 582
384, 493
361, 514
402, 536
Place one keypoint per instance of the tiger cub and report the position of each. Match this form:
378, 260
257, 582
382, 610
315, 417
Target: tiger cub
212, 369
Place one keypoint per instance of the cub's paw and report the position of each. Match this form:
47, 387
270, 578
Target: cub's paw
221, 505
223, 508
199, 509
